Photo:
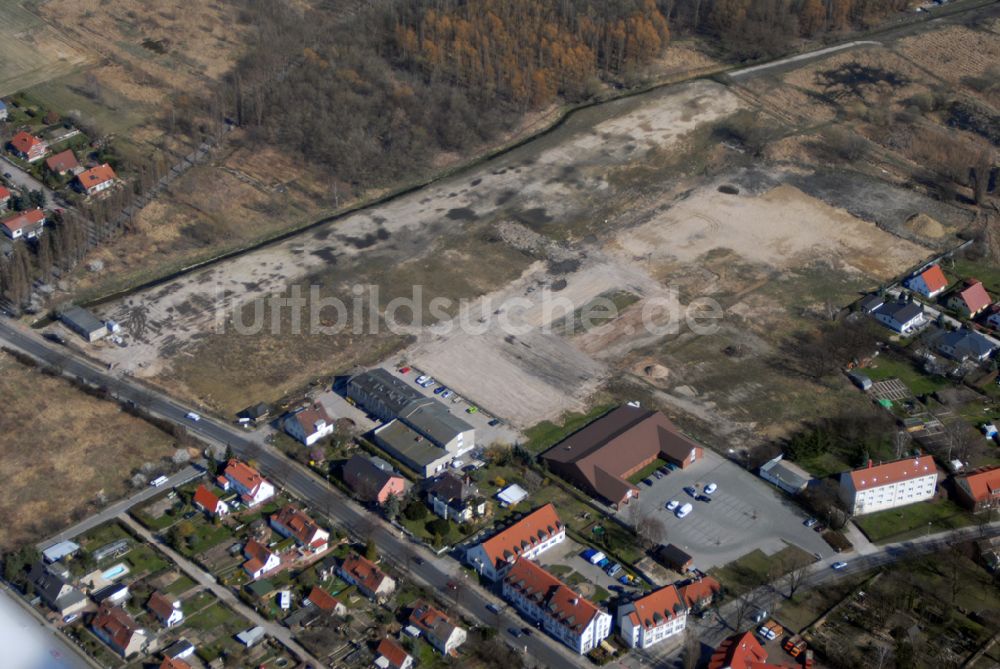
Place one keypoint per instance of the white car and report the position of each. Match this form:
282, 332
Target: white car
838, 565
767, 633
710, 488
191, 415
672, 505
684, 510
420, 379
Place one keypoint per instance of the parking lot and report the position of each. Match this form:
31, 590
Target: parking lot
567, 554
745, 514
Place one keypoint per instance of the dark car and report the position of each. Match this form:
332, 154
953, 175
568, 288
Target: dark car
526, 631
452, 585
494, 422
819, 528
55, 337
648, 482
703, 498
515, 632
664, 470
692, 491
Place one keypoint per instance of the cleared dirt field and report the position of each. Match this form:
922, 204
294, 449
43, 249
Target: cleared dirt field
62, 450
31, 52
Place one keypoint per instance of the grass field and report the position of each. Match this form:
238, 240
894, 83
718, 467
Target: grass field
756, 568
914, 520
31, 52
546, 434
889, 366
61, 450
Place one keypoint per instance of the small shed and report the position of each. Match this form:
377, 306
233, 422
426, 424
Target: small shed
512, 494
60, 550
789, 477
84, 323
674, 558
251, 637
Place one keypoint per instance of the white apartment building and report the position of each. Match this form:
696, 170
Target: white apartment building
651, 619
889, 485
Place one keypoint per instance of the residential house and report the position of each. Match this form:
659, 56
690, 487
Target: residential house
699, 593
115, 627
929, 282
114, 593
25, 225
437, 628
252, 488
174, 663
179, 649
969, 298
743, 651
5, 197
371, 581
28, 147
527, 538
55, 591
292, 522
992, 313
652, 618
96, 179
260, 560
965, 344
166, 609
325, 602
888, 485
309, 424
673, 557
372, 479
600, 457
563, 613
903, 317
63, 163
454, 498
391, 655
207, 501
979, 490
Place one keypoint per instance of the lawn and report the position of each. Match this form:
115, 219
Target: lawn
183, 583
914, 520
824, 464
144, 560
756, 568
983, 270
547, 434
888, 366
646, 471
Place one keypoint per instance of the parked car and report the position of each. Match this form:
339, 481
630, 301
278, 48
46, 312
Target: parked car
70, 618
614, 570
819, 527
404, 370
838, 565
810, 522
703, 498
603, 562
493, 608
684, 510
691, 490
672, 505
527, 630
472, 409
657, 474
664, 470
648, 482
421, 379
55, 337
446, 394
452, 585
494, 422
516, 632
710, 488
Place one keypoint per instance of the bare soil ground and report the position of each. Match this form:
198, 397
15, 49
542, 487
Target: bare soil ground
31, 52
62, 450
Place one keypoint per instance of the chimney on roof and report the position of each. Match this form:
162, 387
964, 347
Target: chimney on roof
870, 463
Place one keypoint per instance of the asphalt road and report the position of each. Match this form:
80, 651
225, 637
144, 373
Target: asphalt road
433, 571
22, 179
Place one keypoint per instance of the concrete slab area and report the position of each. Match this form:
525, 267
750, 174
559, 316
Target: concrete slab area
745, 514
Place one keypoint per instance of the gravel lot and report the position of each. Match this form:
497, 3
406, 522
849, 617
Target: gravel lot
745, 514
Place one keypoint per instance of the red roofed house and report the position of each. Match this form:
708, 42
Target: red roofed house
372, 582
166, 609
28, 224
390, 655
439, 631
741, 651
63, 163
979, 489
564, 614
4, 197
29, 147
260, 560
534, 534
600, 457
209, 502
174, 663
651, 619
247, 481
699, 593
309, 425
96, 179
115, 627
929, 282
888, 485
969, 299
324, 601
292, 522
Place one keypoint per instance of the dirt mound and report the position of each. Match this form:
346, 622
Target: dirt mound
652, 370
925, 226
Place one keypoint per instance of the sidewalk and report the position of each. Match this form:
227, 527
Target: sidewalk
862, 546
282, 634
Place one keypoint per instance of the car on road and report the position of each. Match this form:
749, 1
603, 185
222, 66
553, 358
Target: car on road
158, 481
527, 630
55, 337
191, 415
838, 565
810, 522
672, 505
516, 632
691, 491
418, 560
684, 510
710, 488
493, 608
452, 585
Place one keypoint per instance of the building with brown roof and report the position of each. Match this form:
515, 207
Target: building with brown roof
247, 482
166, 609
63, 163
293, 522
115, 627
437, 628
600, 457
96, 179
325, 602
4, 197
174, 663
454, 497
371, 581
260, 560
649, 620
979, 490
528, 538
564, 614
888, 485
26, 224
28, 147
391, 655
309, 424
698, 594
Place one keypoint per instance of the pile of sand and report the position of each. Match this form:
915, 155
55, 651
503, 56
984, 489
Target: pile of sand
923, 225
651, 370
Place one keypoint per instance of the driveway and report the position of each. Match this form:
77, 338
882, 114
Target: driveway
745, 514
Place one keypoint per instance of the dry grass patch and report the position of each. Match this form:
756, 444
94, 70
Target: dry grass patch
62, 449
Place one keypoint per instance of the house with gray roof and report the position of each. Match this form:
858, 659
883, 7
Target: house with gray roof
55, 590
903, 317
964, 345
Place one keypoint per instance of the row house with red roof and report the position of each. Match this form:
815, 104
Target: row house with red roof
292, 522
528, 538
562, 612
248, 483
888, 485
979, 490
653, 618
26, 146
